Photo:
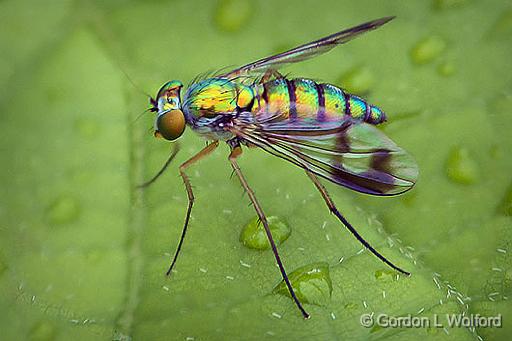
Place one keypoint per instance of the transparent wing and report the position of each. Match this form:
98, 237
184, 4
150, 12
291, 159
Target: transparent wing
352, 154
308, 50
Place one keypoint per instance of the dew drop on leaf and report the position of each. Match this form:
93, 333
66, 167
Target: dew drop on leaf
385, 275
358, 80
42, 331
231, 15
65, 209
427, 50
460, 166
446, 69
253, 234
312, 284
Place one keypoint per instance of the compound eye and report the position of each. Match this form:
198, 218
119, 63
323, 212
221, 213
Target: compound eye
171, 124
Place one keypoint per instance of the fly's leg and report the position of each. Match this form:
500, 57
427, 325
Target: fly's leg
333, 209
269, 74
204, 152
236, 152
175, 150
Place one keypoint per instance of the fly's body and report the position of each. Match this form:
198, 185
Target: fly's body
319, 127
215, 101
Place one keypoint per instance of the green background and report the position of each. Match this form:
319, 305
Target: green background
83, 252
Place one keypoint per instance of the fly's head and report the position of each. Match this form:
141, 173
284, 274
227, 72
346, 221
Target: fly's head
170, 120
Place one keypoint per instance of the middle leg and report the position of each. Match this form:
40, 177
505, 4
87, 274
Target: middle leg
235, 152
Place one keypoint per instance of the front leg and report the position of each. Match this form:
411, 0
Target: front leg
203, 153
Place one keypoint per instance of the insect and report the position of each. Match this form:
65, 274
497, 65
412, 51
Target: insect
326, 131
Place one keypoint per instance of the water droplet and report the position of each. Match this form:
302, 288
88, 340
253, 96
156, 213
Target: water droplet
446, 69
427, 50
385, 275
460, 166
231, 15
42, 331
87, 128
312, 284
447, 4
65, 209
506, 203
358, 80
253, 234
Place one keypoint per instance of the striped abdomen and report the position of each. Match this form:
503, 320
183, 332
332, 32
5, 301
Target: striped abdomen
306, 99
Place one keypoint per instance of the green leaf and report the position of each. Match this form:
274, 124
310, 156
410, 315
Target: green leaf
83, 251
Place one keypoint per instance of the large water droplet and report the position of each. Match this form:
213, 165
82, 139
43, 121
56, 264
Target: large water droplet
460, 166
446, 69
65, 209
311, 283
386, 275
358, 80
42, 331
231, 15
254, 237
427, 50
